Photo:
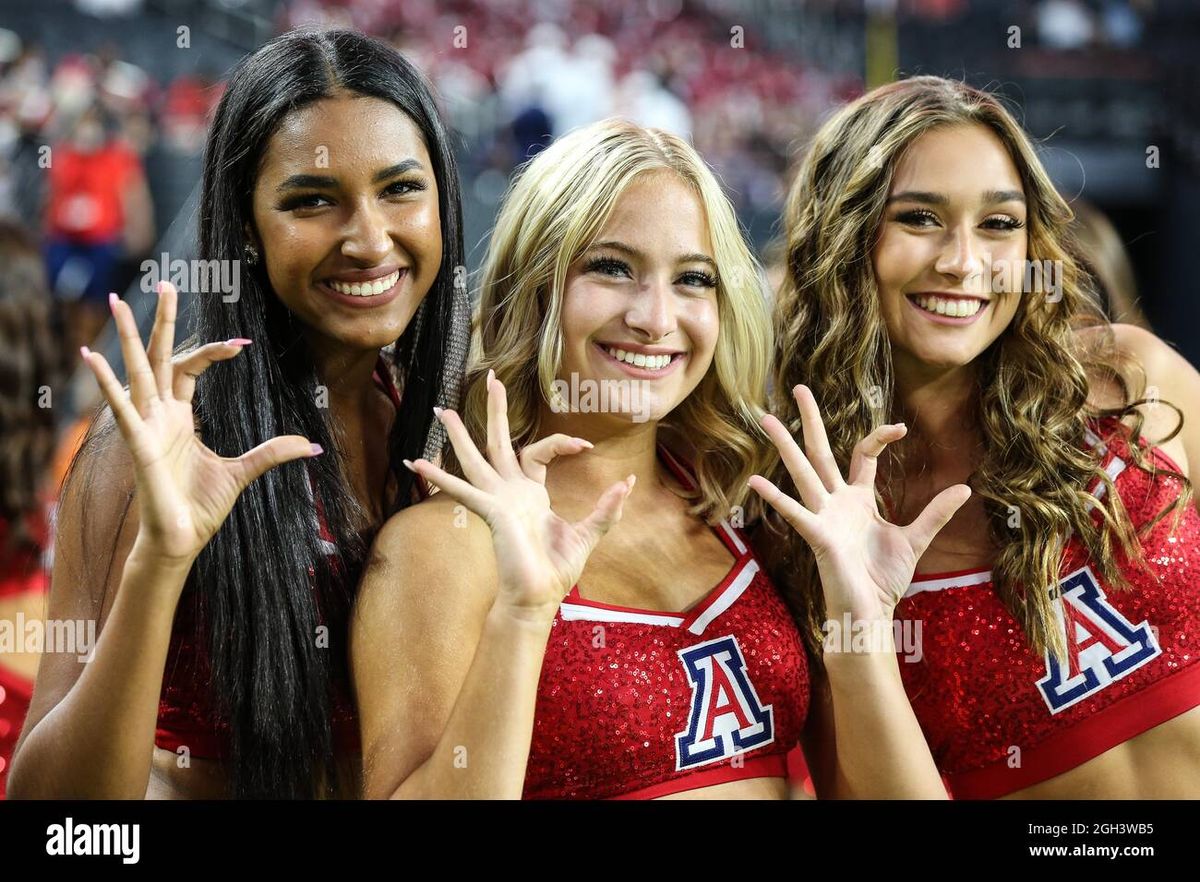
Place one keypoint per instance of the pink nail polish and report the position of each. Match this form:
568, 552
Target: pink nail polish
112, 300
316, 450
408, 465
238, 341
437, 412
85, 352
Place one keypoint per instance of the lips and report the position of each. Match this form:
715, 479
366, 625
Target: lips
642, 362
368, 288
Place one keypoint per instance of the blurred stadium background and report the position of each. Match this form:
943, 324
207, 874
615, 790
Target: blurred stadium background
124, 87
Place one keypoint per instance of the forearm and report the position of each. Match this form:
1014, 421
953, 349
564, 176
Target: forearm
881, 750
485, 746
98, 742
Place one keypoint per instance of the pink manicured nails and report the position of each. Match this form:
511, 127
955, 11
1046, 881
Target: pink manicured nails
316, 449
85, 352
112, 300
238, 341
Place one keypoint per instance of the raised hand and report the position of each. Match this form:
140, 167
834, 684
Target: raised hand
865, 563
539, 556
184, 490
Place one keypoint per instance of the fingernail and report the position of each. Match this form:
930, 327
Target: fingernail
112, 300
238, 341
900, 425
491, 376
85, 352
632, 480
316, 450
585, 443
158, 289
408, 464
437, 412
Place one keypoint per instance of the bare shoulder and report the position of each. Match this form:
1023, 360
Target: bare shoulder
431, 565
1168, 377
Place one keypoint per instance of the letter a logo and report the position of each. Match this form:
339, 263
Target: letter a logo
726, 716
1102, 645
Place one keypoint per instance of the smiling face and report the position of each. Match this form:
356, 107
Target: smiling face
640, 305
346, 215
955, 219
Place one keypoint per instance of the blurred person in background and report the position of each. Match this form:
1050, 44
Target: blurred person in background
98, 210
33, 365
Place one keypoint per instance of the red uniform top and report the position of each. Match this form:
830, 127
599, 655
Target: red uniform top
21, 572
86, 189
999, 718
185, 712
634, 703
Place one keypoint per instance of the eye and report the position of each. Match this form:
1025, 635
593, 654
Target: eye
607, 266
309, 200
1003, 223
401, 188
919, 217
698, 279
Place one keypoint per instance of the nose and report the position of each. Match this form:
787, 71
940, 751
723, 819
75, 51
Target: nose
652, 312
367, 238
959, 256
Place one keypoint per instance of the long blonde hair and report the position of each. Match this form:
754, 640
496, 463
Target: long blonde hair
553, 211
1033, 403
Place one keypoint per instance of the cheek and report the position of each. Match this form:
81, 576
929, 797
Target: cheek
702, 321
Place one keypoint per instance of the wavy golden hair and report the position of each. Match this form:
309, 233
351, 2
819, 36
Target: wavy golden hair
1033, 382
553, 211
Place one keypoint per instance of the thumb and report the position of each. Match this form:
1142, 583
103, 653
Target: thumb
606, 513
275, 452
935, 516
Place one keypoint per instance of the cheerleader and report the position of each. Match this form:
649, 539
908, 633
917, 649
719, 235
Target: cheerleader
213, 543
576, 618
930, 282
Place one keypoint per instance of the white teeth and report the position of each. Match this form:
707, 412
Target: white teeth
366, 289
950, 307
639, 359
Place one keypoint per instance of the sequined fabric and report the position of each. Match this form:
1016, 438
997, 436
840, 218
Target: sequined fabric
617, 698
999, 718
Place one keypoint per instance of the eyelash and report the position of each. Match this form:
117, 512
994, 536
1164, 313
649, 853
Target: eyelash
606, 266
308, 200
1006, 224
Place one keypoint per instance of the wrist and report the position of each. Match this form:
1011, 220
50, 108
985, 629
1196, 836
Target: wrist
534, 620
148, 556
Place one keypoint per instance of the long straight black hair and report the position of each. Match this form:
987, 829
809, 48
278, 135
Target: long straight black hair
271, 606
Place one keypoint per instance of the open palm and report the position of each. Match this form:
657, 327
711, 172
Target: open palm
865, 562
184, 490
539, 555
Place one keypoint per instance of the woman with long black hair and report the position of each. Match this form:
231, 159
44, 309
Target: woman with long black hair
221, 579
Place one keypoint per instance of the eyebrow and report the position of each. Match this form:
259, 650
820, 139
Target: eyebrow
694, 257
990, 197
325, 182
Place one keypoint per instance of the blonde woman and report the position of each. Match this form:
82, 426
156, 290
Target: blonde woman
540, 627
929, 282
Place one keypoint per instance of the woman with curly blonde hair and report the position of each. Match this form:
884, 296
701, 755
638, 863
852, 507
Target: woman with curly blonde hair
930, 289
500, 648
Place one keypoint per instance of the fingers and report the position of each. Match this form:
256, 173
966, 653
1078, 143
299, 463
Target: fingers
802, 520
808, 483
935, 516
499, 442
126, 415
271, 453
865, 458
816, 443
143, 388
606, 513
456, 488
537, 456
162, 339
474, 466
187, 368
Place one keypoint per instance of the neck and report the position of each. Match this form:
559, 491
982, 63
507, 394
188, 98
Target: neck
938, 406
620, 449
346, 375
